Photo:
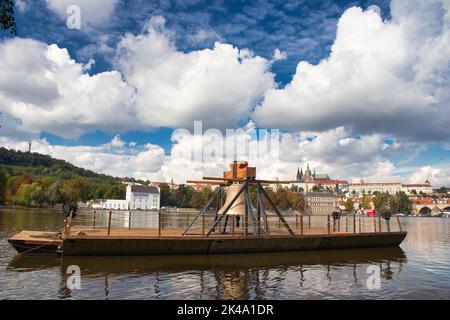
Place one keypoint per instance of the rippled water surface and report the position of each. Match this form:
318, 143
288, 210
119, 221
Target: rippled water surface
420, 268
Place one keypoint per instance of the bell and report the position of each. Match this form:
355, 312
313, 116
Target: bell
238, 207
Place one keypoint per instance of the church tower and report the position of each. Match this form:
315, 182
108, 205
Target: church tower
299, 174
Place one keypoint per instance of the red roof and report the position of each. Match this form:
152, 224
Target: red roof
416, 185
377, 184
331, 182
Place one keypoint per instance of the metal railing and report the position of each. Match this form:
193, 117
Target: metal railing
174, 223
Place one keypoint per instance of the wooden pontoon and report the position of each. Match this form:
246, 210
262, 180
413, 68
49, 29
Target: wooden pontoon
236, 225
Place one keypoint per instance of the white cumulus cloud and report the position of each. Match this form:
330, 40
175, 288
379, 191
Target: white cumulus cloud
390, 77
219, 86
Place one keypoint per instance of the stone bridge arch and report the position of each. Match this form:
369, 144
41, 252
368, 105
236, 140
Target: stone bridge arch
425, 211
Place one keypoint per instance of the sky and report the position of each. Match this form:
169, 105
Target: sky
355, 89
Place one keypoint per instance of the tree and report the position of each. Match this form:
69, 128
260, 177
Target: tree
54, 194
401, 203
383, 202
296, 201
23, 195
442, 190
3, 185
366, 200
349, 205
196, 200
7, 21
37, 195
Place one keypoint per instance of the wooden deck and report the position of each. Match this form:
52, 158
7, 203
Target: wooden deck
152, 233
37, 237
36, 241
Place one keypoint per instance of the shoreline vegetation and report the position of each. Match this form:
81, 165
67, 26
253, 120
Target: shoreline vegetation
33, 180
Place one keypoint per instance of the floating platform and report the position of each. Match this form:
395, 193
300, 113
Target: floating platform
36, 242
129, 242
123, 241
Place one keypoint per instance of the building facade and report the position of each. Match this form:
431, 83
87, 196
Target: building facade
389, 187
138, 197
310, 180
321, 203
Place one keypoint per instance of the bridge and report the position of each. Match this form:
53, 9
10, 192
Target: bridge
432, 209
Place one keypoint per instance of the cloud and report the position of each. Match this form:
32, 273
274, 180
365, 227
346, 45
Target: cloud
43, 89
21, 5
437, 176
279, 55
388, 77
99, 158
219, 86
93, 13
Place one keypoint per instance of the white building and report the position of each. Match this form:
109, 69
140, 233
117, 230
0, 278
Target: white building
389, 187
138, 197
321, 203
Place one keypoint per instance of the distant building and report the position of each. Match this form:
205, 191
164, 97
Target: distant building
138, 197
389, 187
310, 180
418, 188
321, 203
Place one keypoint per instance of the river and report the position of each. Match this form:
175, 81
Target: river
419, 269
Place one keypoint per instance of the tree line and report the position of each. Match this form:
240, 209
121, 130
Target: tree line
187, 197
383, 202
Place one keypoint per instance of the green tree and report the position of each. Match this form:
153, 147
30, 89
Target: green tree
196, 200
23, 195
3, 185
383, 202
54, 194
7, 21
366, 200
117, 191
401, 203
349, 205
37, 195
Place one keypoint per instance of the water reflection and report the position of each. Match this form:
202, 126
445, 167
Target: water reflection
419, 269
237, 276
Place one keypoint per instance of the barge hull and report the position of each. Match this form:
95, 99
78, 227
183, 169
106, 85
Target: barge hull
109, 246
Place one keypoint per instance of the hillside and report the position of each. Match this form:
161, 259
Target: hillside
17, 162
33, 179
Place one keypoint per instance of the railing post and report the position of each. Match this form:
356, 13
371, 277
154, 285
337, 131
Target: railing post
159, 223
296, 221
374, 224
328, 224
233, 222
94, 219
69, 226
399, 224
354, 223
301, 224
203, 224
379, 223
309, 222
346, 223
109, 222
360, 224
129, 219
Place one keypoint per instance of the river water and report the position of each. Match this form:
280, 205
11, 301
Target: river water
419, 269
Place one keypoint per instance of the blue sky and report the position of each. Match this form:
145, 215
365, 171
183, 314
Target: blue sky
300, 30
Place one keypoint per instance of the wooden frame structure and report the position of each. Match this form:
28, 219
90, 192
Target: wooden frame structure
251, 218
